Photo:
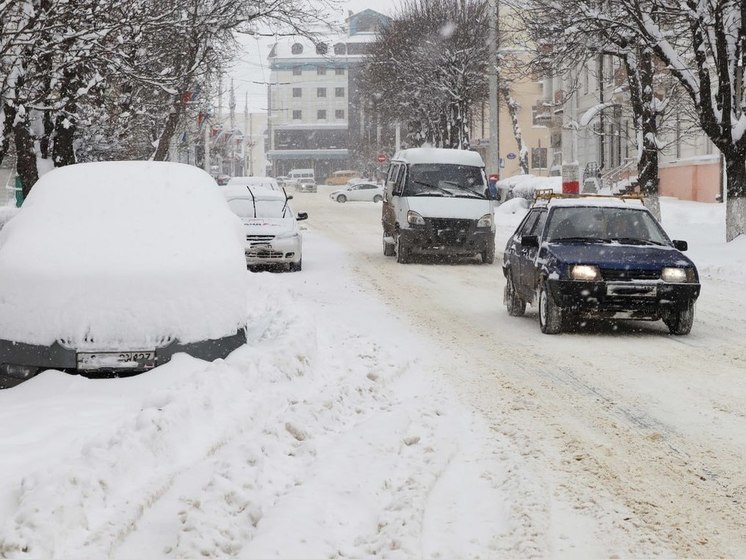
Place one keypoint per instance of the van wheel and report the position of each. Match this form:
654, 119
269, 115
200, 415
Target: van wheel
402, 250
341, 198
377, 198
296, 267
388, 248
550, 315
488, 256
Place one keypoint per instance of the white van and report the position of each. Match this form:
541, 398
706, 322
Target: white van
435, 202
296, 174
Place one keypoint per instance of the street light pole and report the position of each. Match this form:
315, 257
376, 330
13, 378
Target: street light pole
493, 156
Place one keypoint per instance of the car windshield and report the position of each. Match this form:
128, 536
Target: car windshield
605, 224
439, 179
244, 207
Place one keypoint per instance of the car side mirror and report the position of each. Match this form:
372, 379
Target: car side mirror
530, 241
290, 197
680, 245
302, 216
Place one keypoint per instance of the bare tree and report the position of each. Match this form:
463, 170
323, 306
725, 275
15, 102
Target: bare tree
428, 69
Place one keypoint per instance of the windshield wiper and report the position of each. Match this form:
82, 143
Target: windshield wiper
578, 239
465, 189
434, 187
635, 241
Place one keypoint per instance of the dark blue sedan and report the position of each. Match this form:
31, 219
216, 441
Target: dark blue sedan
598, 257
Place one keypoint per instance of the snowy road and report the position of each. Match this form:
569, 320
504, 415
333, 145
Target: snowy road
392, 411
655, 421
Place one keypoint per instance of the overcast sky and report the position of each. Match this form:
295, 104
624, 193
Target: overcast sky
251, 71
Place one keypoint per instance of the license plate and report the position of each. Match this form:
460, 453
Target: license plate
631, 290
132, 360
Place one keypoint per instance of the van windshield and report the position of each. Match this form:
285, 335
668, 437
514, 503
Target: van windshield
440, 179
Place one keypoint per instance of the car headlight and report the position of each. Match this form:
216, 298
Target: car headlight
485, 221
677, 275
585, 272
413, 218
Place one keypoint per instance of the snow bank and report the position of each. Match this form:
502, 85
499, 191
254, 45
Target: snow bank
523, 186
124, 253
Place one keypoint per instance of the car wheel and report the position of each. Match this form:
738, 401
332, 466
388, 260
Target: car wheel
680, 322
550, 315
402, 250
488, 256
515, 305
296, 266
377, 198
388, 248
341, 198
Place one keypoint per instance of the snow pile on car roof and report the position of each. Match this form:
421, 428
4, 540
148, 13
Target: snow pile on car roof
524, 186
417, 156
122, 253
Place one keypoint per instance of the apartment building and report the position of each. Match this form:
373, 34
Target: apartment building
314, 109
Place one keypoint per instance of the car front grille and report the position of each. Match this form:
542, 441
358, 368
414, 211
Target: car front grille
263, 254
259, 238
610, 274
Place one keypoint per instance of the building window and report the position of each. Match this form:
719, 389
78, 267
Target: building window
297, 92
322, 48
339, 71
321, 70
340, 48
297, 70
539, 158
297, 115
339, 114
320, 92
339, 91
297, 48
321, 114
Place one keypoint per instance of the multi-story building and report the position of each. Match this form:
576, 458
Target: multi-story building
315, 116
590, 117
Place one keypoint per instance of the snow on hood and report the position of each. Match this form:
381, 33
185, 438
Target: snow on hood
268, 225
438, 206
125, 253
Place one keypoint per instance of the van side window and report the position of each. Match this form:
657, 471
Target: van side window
399, 184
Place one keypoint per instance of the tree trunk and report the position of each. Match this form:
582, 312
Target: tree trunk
63, 152
735, 220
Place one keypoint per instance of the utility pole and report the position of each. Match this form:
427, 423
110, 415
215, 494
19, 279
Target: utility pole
493, 156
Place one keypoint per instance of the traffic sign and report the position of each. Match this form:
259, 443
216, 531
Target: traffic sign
381, 158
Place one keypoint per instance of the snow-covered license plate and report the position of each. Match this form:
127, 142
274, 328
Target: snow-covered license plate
134, 360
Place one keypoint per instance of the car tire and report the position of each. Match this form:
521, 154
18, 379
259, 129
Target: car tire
515, 305
388, 248
341, 198
377, 198
402, 250
680, 322
488, 256
296, 266
550, 315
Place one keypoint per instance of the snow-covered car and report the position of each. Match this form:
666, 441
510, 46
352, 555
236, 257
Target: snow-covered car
255, 182
112, 268
359, 192
598, 257
272, 235
305, 185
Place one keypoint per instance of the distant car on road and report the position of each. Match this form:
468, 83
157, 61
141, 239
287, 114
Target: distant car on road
305, 185
111, 268
272, 236
359, 192
341, 177
598, 257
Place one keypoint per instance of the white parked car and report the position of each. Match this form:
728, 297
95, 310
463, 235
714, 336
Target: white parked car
358, 192
272, 235
111, 268
255, 182
305, 185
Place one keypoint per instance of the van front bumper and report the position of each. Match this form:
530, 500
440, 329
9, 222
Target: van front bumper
449, 237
